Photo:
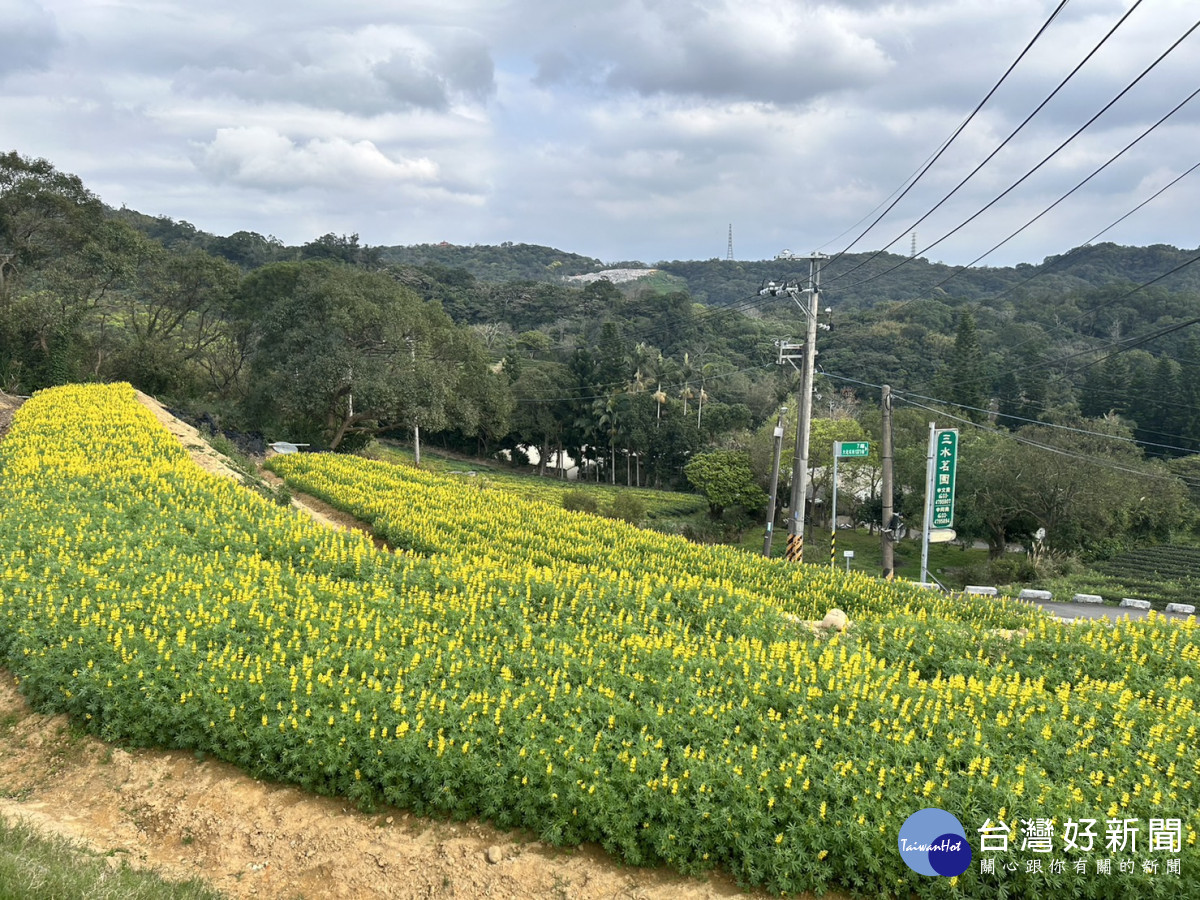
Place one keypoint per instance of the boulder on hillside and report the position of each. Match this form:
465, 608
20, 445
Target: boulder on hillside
835, 620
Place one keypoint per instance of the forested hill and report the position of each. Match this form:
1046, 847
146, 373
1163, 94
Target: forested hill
487, 262
334, 342
862, 280
854, 281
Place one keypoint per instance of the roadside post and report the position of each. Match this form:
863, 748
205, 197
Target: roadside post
941, 463
850, 450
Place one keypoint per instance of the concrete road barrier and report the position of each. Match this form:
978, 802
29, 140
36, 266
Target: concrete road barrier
980, 590
1087, 598
1186, 609
1130, 603
1030, 594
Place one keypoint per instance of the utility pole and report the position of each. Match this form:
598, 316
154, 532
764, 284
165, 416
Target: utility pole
412, 354
887, 489
795, 545
774, 484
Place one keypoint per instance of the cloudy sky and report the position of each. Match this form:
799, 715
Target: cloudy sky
625, 129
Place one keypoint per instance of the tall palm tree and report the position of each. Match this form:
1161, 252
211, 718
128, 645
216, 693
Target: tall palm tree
610, 421
645, 364
687, 373
660, 397
708, 370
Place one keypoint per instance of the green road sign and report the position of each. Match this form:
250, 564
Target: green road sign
853, 449
945, 462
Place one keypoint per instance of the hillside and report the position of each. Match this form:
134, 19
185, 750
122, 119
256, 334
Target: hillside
505, 262
564, 673
854, 281
194, 819
331, 344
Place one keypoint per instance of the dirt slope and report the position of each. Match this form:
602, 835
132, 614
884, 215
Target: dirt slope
201, 818
189, 817
8, 405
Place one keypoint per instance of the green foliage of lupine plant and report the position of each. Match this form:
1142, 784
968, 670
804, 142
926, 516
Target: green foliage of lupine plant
568, 673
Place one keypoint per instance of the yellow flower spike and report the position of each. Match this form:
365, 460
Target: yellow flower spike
619, 624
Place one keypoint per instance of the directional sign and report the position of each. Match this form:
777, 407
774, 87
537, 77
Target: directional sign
945, 462
852, 449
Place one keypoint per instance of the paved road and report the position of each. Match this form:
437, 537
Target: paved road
1072, 611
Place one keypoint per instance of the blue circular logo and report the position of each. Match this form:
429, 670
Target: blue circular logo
933, 842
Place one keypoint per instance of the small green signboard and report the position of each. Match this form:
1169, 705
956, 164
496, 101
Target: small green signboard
853, 449
945, 462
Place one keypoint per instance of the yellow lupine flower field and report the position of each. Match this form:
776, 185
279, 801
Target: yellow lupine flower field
573, 675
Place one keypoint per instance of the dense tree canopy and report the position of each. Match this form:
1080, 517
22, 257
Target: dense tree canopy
1066, 379
345, 352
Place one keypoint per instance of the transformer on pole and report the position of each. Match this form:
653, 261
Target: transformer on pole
795, 539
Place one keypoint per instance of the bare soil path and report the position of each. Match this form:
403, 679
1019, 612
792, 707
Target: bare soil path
191, 817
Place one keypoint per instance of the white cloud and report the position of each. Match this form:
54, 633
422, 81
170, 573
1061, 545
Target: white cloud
774, 50
628, 129
260, 157
369, 71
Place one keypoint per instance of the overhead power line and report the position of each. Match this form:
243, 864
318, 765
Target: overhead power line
1031, 171
1124, 345
1047, 267
1004, 142
1053, 425
1059, 260
950, 140
1112, 159
900, 394
1131, 344
1096, 461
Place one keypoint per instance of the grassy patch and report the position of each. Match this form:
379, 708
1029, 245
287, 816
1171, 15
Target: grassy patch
658, 507
946, 561
1113, 589
247, 468
36, 867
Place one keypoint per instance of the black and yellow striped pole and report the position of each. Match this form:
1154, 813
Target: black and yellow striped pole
837, 452
795, 547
